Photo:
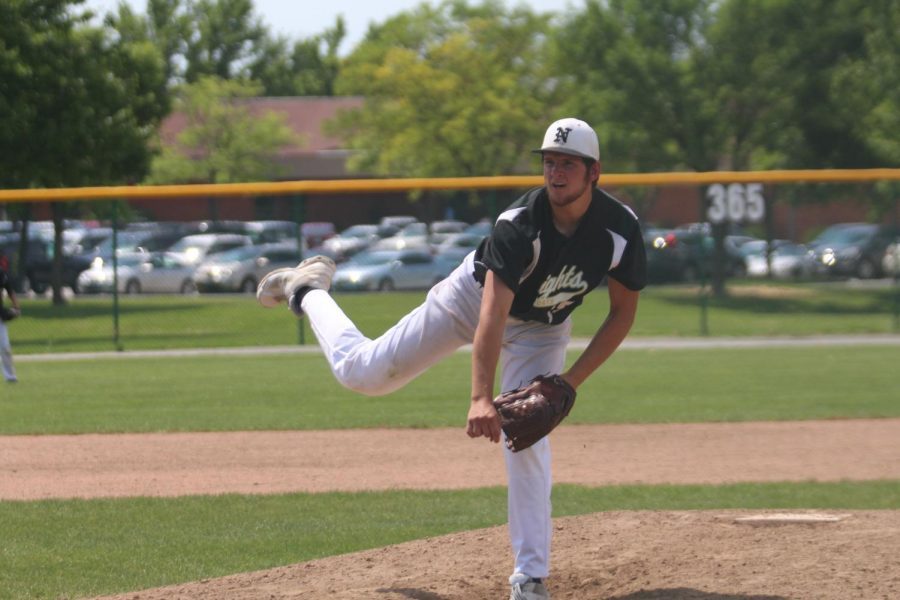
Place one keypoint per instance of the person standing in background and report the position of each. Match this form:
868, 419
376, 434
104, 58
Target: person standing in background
6, 357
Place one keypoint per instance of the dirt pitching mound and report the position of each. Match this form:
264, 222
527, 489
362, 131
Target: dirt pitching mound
696, 555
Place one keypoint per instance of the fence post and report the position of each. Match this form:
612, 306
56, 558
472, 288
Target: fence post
897, 285
704, 268
298, 207
117, 342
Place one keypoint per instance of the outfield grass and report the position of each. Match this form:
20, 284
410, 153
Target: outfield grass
296, 391
148, 322
65, 549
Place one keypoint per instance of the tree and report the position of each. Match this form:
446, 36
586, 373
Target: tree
785, 58
629, 69
224, 142
224, 40
451, 90
310, 68
166, 25
869, 83
76, 107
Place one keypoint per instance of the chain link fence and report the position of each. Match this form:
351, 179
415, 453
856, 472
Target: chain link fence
132, 275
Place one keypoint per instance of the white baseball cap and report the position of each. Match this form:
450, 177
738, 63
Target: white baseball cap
571, 136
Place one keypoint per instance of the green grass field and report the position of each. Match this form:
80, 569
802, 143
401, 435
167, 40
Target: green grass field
296, 391
148, 322
64, 548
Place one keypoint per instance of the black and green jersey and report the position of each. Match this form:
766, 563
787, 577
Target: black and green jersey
551, 273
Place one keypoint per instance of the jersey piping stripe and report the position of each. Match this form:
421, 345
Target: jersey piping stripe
619, 244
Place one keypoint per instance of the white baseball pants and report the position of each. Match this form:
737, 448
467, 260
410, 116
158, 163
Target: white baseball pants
444, 322
6, 357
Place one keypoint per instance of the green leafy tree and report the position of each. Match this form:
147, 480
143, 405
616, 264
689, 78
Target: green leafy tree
224, 38
629, 67
308, 68
451, 90
223, 142
869, 84
802, 115
166, 25
77, 107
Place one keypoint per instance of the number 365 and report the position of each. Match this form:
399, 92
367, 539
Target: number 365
735, 202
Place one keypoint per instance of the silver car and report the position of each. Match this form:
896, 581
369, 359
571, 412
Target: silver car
240, 269
137, 273
390, 270
194, 249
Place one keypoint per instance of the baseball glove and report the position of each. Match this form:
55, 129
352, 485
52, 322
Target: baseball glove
8, 314
532, 411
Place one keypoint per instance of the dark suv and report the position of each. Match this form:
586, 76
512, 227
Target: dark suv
852, 249
38, 268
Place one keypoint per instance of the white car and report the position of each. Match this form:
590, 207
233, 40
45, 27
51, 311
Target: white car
788, 260
413, 235
355, 238
193, 249
240, 269
386, 270
139, 273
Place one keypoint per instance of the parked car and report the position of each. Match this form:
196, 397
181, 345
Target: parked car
852, 249
483, 227
193, 249
438, 231
397, 221
85, 240
270, 232
142, 240
351, 240
389, 270
240, 269
413, 235
139, 273
36, 272
666, 262
457, 246
687, 253
316, 232
788, 259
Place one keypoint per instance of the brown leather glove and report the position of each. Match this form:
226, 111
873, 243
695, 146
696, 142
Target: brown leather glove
532, 411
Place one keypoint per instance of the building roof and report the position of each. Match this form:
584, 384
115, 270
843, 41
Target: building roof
305, 115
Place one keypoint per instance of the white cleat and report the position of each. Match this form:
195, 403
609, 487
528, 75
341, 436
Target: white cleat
529, 590
279, 285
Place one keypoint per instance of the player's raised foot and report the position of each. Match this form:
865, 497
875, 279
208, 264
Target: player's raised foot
524, 588
281, 284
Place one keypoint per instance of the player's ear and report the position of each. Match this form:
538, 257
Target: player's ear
595, 171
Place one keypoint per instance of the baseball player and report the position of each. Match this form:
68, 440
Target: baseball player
6, 357
511, 299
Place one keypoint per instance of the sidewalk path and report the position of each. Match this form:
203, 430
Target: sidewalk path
636, 343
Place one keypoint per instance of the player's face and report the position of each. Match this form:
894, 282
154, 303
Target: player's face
567, 178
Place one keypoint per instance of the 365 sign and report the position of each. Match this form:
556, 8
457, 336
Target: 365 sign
735, 202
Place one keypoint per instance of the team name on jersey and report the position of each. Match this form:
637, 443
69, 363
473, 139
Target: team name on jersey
559, 289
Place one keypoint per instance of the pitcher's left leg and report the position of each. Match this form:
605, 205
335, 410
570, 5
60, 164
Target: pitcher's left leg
531, 350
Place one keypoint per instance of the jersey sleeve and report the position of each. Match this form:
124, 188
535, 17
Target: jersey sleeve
507, 252
632, 268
